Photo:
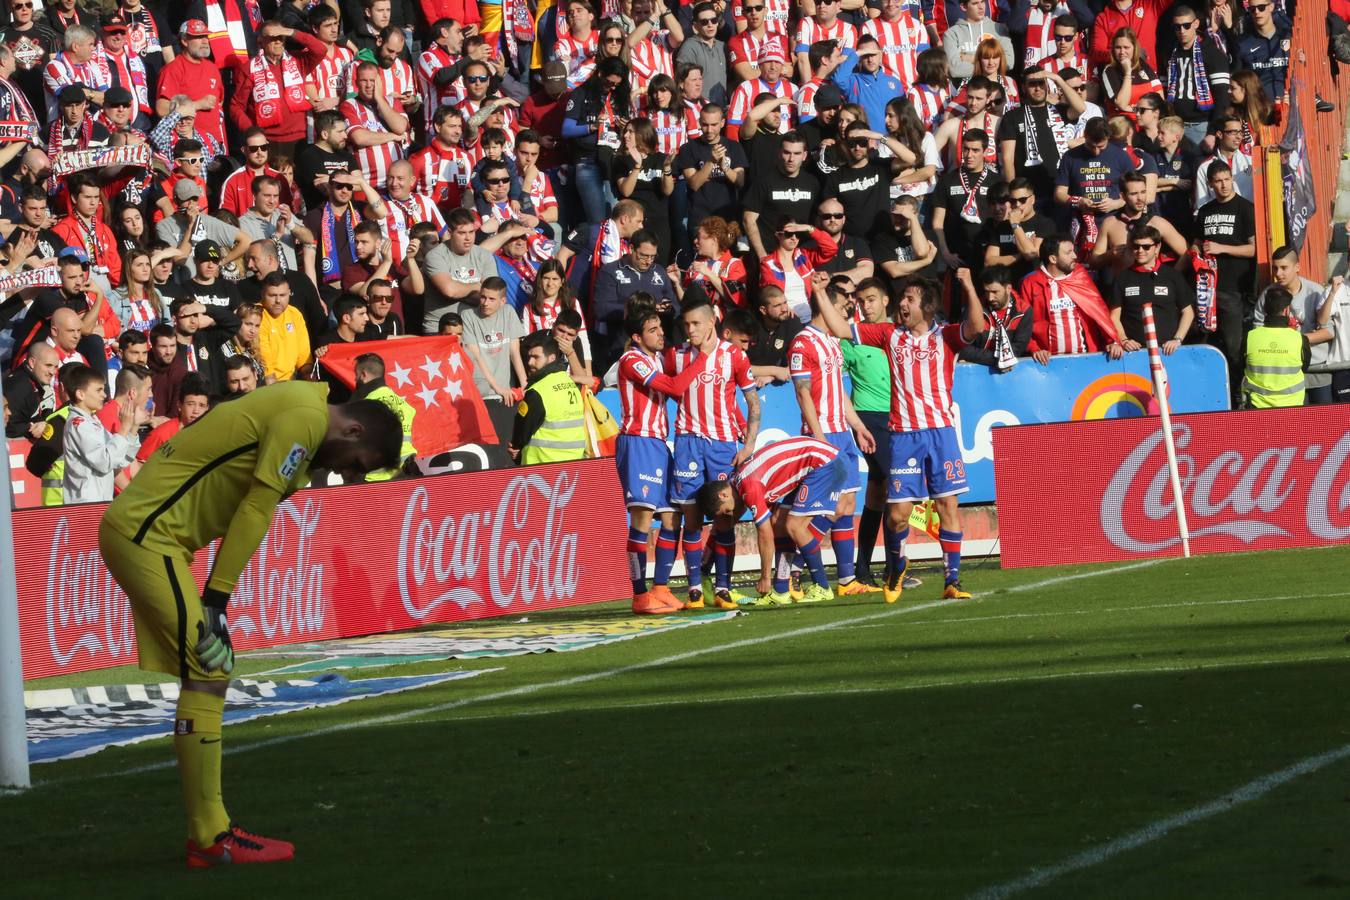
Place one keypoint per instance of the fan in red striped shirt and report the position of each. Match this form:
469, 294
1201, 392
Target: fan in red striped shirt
374, 128
926, 459
901, 39
406, 208
326, 83
443, 167
434, 72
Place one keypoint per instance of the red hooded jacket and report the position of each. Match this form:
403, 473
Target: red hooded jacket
1098, 328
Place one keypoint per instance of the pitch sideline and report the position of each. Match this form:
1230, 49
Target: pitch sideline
527, 689
1154, 831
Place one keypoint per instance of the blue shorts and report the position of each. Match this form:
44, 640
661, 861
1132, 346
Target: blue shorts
644, 471
819, 492
925, 463
849, 455
697, 461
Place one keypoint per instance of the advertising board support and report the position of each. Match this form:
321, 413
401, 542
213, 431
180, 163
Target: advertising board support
1160, 392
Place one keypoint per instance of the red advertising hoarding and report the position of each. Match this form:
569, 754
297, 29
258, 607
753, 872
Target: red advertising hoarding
348, 561
1081, 492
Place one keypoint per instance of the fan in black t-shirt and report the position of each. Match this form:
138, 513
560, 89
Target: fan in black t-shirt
1148, 281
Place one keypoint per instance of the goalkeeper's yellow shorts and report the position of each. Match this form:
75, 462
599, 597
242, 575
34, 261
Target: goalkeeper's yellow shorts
165, 603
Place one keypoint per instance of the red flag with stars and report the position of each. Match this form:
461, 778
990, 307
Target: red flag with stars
435, 376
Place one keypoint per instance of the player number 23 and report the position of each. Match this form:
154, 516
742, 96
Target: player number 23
955, 468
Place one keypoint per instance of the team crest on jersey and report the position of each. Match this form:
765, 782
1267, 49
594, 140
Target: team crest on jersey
203, 353
291, 464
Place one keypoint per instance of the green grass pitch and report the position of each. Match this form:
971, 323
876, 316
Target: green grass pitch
843, 750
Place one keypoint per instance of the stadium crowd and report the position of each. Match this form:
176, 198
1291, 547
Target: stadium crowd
199, 199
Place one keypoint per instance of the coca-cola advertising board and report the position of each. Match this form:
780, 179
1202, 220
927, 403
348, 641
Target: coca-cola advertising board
1082, 492
348, 561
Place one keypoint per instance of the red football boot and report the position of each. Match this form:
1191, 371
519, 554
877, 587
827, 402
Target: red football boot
235, 847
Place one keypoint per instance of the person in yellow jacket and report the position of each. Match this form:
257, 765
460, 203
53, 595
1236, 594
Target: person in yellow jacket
370, 385
282, 336
1277, 356
550, 423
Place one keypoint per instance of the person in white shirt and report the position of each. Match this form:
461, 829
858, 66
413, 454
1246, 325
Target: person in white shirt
93, 454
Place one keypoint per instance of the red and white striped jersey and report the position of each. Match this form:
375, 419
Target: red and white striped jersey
375, 160
429, 62
708, 406
643, 406
543, 320
745, 47
329, 77
672, 130
579, 55
692, 109
62, 71
1077, 60
650, 58
743, 100
921, 372
930, 103
776, 16
468, 107
1066, 326
403, 215
809, 31
443, 172
901, 43
806, 100
815, 355
398, 79
540, 192
776, 470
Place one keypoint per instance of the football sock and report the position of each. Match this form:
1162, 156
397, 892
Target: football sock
841, 539
782, 565
895, 549
196, 741
869, 524
667, 543
637, 559
811, 555
725, 552
693, 558
951, 554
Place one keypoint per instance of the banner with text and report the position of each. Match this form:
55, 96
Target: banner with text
349, 561
1256, 480
1069, 389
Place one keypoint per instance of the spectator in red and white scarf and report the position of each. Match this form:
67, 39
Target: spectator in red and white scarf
270, 91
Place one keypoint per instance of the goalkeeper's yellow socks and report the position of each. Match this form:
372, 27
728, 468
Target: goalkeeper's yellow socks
196, 741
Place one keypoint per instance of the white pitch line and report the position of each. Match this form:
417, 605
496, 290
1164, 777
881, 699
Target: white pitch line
883, 689
1252, 790
527, 689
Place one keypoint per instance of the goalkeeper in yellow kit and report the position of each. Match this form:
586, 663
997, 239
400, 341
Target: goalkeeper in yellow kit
223, 477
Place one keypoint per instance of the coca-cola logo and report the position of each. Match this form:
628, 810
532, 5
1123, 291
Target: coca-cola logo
529, 553
280, 592
1243, 492
86, 610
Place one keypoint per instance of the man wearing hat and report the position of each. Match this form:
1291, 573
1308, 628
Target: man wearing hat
206, 285
818, 114
73, 128
770, 81
125, 66
188, 219
863, 82
192, 74
120, 111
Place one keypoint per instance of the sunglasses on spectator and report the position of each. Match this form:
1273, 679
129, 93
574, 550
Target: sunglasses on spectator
498, 180
475, 79
21, 6
1065, 38
787, 234
708, 20
190, 160
343, 185
1018, 201
749, 9
1147, 246
613, 40
381, 298
117, 105
256, 148
826, 215
1259, 8
1184, 26
269, 38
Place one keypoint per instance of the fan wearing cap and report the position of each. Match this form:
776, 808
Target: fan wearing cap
543, 112
863, 81
73, 128
744, 49
76, 64
194, 76
125, 66
189, 164
772, 60
206, 285
189, 225
270, 91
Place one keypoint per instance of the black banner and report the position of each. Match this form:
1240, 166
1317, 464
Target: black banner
1299, 200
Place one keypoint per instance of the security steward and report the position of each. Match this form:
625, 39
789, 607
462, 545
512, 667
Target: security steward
550, 421
1277, 355
370, 385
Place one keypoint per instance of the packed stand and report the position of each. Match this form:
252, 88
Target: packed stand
201, 199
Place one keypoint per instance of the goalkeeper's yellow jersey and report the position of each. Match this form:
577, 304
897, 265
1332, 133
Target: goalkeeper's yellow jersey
189, 491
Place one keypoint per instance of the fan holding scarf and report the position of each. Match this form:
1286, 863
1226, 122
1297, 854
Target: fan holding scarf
271, 86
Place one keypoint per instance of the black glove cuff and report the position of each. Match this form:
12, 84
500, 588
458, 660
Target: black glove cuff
215, 599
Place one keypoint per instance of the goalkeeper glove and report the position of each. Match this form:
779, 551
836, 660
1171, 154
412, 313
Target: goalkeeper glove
214, 648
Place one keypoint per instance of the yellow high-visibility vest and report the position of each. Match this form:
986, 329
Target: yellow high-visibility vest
1274, 376
562, 436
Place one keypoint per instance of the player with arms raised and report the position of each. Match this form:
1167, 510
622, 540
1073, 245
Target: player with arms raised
223, 478
644, 460
791, 488
925, 453
707, 430
816, 364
